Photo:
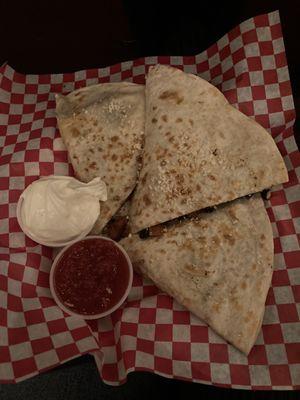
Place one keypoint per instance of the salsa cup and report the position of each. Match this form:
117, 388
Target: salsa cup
55, 291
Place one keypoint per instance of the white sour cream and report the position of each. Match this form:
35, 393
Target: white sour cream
60, 208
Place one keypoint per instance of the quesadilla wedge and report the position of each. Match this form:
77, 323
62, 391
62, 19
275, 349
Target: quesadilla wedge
218, 265
103, 127
199, 150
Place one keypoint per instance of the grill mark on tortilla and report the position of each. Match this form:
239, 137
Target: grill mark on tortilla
172, 95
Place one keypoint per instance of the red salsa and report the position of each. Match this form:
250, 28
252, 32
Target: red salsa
91, 276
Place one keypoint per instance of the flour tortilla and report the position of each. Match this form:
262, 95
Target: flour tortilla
103, 128
199, 150
218, 265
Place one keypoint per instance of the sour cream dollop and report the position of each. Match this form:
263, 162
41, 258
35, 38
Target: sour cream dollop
60, 208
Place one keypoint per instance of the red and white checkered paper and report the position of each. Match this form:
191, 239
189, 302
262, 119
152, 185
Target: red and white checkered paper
151, 332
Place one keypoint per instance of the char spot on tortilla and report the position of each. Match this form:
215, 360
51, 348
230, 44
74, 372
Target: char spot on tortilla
159, 127
86, 170
143, 180
216, 240
179, 120
198, 187
229, 238
76, 157
95, 123
92, 151
154, 120
243, 285
179, 178
116, 198
262, 236
147, 200
212, 177
249, 316
114, 138
171, 95
168, 133
154, 108
222, 136
75, 132
114, 157
216, 307
93, 165
164, 118
139, 159
191, 122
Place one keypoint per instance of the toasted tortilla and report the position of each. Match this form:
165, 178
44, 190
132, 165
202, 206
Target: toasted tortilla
103, 128
218, 265
199, 150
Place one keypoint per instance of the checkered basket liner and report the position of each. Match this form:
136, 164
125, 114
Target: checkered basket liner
151, 331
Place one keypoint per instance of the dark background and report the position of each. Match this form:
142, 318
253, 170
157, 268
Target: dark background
62, 36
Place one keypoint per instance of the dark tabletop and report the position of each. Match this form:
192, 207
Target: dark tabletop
63, 36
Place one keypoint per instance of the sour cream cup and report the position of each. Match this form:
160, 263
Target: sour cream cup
43, 241
54, 287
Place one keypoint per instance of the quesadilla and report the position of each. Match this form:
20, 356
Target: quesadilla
199, 150
103, 127
218, 265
